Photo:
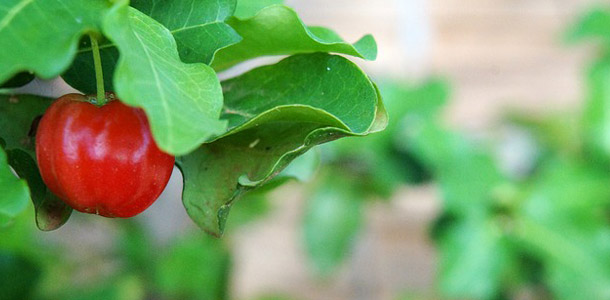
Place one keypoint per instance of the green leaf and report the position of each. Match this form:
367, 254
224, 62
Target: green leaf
18, 120
136, 248
302, 168
255, 204
81, 74
15, 195
277, 30
198, 33
197, 26
18, 115
333, 217
20, 276
423, 101
594, 24
123, 286
597, 111
467, 175
560, 132
475, 257
384, 161
51, 212
182, 101
195, 267
41, 36
304, 101
252, 206
249, 8
564, 223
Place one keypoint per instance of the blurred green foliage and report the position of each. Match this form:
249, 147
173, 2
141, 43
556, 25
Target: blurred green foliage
503, 233
359, 170
192, 266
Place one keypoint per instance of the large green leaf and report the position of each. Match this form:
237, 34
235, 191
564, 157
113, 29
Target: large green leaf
182, 101
333, 217
304, 100
197, 26
249, 8
18, 120
42, 35
198, 33
15, 194
277, 30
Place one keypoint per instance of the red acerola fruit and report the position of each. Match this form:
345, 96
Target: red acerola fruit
100, 159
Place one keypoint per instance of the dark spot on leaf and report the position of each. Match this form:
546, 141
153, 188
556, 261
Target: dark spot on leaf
267, 148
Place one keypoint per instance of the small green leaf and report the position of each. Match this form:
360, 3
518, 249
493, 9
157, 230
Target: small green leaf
277, 30
306, 100
249, 8
333, 217
182, 101
15, 194
41, 36
52, 212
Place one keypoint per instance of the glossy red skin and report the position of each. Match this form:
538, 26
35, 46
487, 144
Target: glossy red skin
100, 160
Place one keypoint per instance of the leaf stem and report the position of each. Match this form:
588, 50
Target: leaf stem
99, 74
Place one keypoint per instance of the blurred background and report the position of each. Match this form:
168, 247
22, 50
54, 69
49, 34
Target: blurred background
490, 183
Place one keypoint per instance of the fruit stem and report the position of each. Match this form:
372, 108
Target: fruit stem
99, 74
